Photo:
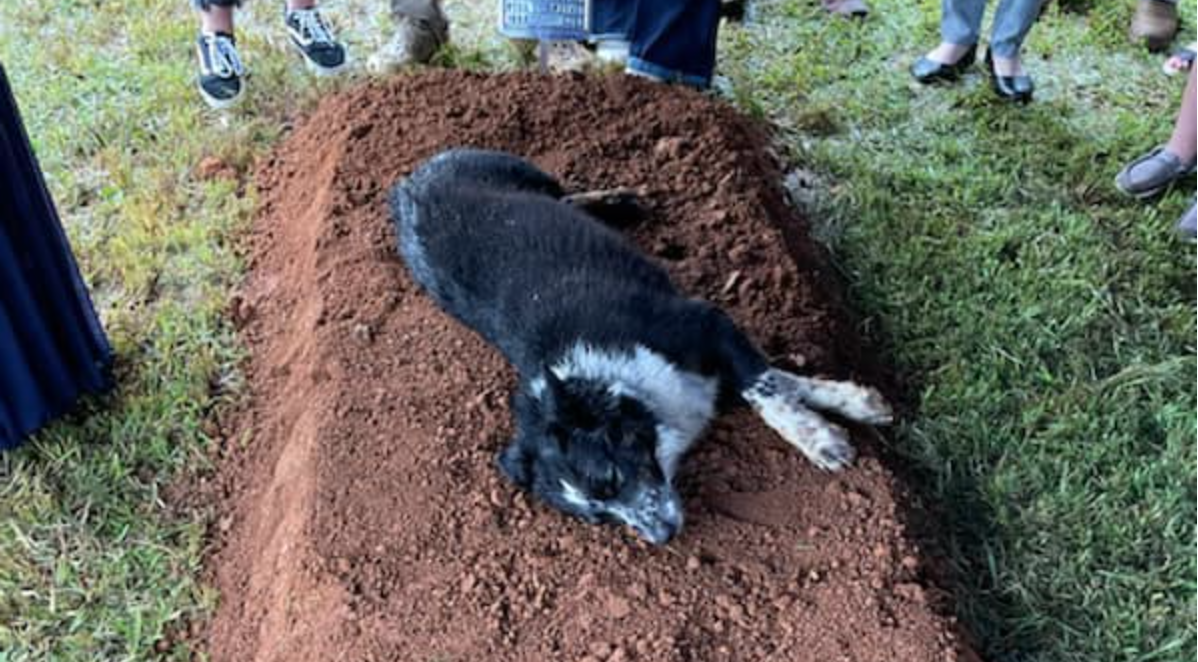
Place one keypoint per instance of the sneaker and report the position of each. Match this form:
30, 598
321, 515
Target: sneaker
311, 35
1154, 24
1152, 173
221, 70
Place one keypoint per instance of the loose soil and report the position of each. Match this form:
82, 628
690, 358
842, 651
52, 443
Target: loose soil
364, 518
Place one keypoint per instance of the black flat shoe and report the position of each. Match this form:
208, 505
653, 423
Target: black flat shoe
930, 71
1011, 88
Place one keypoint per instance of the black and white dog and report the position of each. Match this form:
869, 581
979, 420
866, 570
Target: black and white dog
619, 373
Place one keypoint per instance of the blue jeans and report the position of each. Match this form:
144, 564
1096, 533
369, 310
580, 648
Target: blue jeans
674, 40
961, 23
203, 5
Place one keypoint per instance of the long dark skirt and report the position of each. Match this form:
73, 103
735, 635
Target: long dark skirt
52, 349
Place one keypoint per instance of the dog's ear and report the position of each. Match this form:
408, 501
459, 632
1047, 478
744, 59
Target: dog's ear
516, 463
555, 395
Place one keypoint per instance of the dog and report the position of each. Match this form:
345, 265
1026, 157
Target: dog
619, 373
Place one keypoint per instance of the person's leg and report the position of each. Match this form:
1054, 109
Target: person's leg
960, 25
1012, 21
220, 69
1156, 171
960, 21
611, 29
612, 19
216, 15
1184, 141
675, 41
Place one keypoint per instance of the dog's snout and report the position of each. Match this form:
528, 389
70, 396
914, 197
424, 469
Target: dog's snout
660, 520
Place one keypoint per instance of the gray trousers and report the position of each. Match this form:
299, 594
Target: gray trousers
961, 23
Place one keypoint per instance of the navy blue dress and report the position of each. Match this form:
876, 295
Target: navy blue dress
52, 349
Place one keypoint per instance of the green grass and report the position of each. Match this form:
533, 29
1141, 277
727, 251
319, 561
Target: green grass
93, 565
1044, 325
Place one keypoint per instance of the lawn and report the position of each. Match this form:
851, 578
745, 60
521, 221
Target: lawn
1043, 325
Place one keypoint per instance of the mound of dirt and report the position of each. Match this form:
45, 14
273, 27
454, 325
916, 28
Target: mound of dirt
365, 518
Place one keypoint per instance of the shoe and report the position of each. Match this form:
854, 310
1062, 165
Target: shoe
849, 8
930, 71
1187, 227
1181, 61
1152, 174
1011, 88
1154, 24
311, 35
221, 71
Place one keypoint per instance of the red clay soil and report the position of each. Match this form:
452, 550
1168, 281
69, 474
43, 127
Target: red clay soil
365, 518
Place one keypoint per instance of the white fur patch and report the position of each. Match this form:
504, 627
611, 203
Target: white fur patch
573, 495
683, 402
671, 446
849, 399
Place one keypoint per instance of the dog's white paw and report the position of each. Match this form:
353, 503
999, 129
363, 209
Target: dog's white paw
780, 405
828, 448
849, 399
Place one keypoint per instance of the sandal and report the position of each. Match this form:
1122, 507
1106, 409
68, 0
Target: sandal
1181, 61
850, 8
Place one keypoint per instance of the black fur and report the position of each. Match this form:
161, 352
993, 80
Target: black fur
489, 237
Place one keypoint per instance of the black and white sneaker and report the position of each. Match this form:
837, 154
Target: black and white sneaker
221, 71
311, 35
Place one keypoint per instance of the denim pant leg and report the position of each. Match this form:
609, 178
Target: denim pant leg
1012, 20
612, 19
961, 21
675, 40
203, 5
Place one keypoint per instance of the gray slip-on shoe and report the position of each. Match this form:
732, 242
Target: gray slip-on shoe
1152, 173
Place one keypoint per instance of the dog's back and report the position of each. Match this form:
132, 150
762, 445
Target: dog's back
488, 236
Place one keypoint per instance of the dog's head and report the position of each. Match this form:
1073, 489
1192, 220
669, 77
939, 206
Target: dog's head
590, 451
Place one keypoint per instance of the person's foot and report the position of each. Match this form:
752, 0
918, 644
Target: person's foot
849, 8
221, 72
616, 51
1008, 78
1181, 61
1153, 173
1154, 24
312, 37
1187, 227
946, 63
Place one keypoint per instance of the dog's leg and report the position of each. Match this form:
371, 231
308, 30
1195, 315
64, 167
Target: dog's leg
849, 399
782, 399
617, 207
778, 399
